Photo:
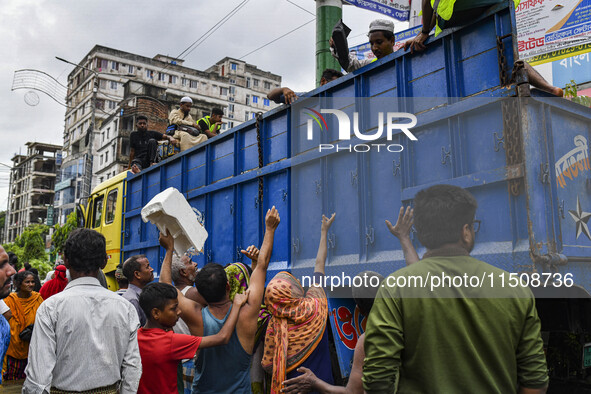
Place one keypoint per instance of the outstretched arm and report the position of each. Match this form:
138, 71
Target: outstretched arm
223, 336
321, 255
401, 231
190, 310
276, 95
418, 43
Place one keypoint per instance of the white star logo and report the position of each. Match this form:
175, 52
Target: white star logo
581, 218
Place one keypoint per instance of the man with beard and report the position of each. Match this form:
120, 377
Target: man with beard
138, 272
6, 272
459, 335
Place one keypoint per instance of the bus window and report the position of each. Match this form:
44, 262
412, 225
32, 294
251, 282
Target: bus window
111, 207
97, 212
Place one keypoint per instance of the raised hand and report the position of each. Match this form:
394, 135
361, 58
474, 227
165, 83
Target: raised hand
166, 241
252, 252
403, 224
326, 222
272, 219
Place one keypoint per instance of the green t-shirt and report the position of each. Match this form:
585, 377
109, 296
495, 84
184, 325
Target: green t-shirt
459, 339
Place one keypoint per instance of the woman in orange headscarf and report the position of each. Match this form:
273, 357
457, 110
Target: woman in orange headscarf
296, 334
23, 305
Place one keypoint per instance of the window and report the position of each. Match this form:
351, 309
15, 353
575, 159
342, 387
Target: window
114, 66
267, 85
106, 157
102, 84
112, 104
172, 78
130, 69
247, 99
246, 115
247, 82
193, 84
104, 64
97, 212
230, 125
232, 80
266, 102
162, 77
231, 116
255, 83
231, 99
223, 91
230, 107
114, 85
108, 130
255, 99
149, 74
111, 207
101, 158
232, 90
184, 81
103, 140
234, 66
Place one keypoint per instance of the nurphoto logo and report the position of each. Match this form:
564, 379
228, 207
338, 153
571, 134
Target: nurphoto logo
344, 131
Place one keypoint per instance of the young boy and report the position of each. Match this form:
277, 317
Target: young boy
160, 348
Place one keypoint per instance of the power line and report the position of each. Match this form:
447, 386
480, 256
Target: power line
278, 38
301, 8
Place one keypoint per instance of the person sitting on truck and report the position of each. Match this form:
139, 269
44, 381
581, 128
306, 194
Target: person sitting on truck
180, 117
451, 13
298, 323
144, 146
138, 272
453, 336
85, 338
211, 124
161, 349
364, 297
285, 95
224, 369
381, 39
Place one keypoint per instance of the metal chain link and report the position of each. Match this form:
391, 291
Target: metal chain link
502, 60
259, 118
513, 143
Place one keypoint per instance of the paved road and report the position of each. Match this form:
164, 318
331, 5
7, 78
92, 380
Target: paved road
12, 387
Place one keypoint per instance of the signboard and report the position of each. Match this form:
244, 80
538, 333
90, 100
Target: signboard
587, 355
58, 158
63, 185
560, 54
545, 26
50, 215
577, 68
363, 51
397, 9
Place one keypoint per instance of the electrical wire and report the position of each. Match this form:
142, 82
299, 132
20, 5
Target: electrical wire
276, 39
301, 8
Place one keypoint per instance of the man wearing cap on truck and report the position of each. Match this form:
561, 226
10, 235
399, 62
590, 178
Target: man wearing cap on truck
182, 117
381, 38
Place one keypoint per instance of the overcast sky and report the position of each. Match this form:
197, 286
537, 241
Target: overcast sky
35, 31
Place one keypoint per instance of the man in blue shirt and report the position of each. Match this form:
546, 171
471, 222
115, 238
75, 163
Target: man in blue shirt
6, 272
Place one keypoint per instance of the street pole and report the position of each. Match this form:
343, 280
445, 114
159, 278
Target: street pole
328, 13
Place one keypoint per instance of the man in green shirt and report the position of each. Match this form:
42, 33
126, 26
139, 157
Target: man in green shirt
434, 329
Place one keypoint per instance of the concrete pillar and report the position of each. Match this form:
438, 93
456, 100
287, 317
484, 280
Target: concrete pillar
328, 13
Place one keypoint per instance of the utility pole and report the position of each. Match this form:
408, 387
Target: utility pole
328, 13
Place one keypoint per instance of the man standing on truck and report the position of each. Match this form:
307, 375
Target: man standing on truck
224, 369
144, 145
451, 13
480, 337
85, 338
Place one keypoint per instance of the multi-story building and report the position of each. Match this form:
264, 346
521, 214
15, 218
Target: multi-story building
31, 190
232, 84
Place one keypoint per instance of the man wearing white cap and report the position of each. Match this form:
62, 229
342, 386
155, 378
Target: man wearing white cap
381, 38
181, 117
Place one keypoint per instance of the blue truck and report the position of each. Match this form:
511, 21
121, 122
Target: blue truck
523, 154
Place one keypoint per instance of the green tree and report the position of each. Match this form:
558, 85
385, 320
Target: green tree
30, 245
570, 90
61, 233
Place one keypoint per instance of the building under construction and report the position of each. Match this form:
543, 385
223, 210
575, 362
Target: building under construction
31, 191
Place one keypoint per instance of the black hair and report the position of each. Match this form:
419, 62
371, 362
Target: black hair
217, 111
141, 117
365, 294
211, 282
388, 35
12, 259
156, 295
36, 278
20, 277
131, 265
85, 251
27, 266
441, 212
331, 73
